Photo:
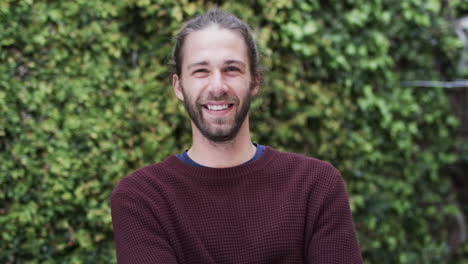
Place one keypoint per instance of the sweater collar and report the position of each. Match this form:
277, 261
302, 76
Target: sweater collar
174, 163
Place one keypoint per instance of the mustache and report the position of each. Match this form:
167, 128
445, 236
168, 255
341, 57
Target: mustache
224, 98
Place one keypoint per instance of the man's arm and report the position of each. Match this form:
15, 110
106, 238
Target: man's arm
138, 236
331, 232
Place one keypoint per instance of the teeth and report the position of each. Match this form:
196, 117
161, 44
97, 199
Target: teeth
217, 107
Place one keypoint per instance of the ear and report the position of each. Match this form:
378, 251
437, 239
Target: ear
177, 87
256, 86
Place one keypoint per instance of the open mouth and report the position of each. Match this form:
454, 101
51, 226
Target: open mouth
218, 107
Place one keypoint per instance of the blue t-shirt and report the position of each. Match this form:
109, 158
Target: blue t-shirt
185, 157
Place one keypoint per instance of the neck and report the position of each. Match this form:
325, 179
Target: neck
222, 154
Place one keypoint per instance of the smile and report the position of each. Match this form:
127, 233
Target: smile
217, 107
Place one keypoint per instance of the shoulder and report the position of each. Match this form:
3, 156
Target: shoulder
303, 162
143, 180
311, 173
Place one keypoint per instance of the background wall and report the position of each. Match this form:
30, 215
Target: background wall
85, 98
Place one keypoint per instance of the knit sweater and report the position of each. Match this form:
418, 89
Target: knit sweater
283, 208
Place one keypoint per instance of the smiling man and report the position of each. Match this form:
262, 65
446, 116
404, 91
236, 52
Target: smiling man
227, 200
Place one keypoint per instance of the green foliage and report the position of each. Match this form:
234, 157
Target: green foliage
85, 98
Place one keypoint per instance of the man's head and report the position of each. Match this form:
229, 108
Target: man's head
223, 20
216, 73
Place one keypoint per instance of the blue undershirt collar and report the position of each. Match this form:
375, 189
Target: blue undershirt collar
186, 159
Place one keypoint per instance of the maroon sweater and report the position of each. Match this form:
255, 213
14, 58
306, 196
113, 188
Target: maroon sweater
282, 208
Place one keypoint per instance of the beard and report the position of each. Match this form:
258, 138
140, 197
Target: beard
218, 135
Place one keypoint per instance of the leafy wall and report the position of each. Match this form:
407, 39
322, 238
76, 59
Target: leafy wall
85, 98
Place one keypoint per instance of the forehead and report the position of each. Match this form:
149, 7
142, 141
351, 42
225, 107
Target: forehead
214, 45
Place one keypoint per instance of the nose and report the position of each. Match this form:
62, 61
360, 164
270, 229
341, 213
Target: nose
217, 86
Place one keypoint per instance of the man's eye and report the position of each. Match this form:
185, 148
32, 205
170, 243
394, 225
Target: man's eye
232, 68
200, 71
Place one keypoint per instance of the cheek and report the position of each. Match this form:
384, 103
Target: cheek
239, 84
194, 84
189, 90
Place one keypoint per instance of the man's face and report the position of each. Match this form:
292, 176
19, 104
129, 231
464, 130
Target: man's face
215, 84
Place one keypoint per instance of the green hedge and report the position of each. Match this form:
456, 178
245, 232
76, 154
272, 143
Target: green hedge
85, 98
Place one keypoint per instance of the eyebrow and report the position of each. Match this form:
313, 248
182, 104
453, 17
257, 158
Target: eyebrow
235, 62
201, 63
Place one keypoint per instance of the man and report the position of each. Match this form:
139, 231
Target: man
227, 200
